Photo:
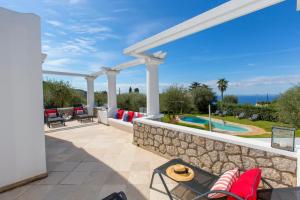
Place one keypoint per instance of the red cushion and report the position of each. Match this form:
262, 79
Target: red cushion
120, 113
246, 186
131, 115
77, 108
50, 111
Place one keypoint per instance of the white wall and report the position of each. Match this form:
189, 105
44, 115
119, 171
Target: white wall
22, 141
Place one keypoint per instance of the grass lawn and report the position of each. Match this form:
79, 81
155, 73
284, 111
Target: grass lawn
266, 125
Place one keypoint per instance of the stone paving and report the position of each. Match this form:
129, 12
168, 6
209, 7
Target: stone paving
90, 163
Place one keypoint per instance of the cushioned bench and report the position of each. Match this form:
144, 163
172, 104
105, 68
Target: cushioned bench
119, 122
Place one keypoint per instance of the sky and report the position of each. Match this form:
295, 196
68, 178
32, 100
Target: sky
258, 53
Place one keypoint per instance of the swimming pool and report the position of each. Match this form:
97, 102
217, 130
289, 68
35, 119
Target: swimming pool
218, 125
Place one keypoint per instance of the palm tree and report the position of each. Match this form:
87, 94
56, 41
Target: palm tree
194, 85
222, 86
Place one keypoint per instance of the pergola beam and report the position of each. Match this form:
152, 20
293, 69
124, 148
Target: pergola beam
128, 64
221, 14
66, 73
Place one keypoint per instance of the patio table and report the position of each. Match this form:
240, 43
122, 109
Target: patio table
200, 184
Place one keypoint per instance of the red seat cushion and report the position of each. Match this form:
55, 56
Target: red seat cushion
48, 111
131, 115
120, 113
246, 186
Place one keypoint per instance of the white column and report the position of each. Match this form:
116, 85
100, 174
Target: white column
112, 91
90, 95
152, 88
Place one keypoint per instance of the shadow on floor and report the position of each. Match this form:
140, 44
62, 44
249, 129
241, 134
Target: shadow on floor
74, 174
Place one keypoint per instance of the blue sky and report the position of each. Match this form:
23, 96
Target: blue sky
258, 53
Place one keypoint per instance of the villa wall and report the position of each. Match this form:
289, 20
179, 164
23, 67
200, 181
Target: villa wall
22, 139
216, 152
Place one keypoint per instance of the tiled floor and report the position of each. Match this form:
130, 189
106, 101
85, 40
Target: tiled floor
91, 162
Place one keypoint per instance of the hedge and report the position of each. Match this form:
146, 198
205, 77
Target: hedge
265, 113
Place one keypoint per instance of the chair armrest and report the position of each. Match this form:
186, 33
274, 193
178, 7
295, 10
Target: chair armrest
218, 191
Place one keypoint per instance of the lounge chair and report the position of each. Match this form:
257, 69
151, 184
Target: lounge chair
241, 115
52, 116
224, 113
217, 112
254, 117
81, 114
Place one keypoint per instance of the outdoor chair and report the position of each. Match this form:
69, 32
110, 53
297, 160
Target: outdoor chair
116, 196
203, 182
217, 112
52, 116
254, 117
224, 113
241, 115
81, 114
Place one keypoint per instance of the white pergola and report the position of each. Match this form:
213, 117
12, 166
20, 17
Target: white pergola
228, 11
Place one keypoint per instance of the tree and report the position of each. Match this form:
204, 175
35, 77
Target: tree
222, 86
58, 93
230, 99
202, 97
194, 85
136, 90
101, 98
131, 101
176, 99
130, 89
288, 105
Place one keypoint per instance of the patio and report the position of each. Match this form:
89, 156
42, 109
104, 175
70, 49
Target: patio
90, 163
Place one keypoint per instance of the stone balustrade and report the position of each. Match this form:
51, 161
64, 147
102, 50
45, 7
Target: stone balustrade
216, 152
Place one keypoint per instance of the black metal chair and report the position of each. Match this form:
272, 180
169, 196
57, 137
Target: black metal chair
53, 119
116, 196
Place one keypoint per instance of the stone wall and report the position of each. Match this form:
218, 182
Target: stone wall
215, 156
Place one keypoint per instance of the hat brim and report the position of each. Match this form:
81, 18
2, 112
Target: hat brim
180, 177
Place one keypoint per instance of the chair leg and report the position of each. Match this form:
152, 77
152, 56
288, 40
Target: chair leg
151, 183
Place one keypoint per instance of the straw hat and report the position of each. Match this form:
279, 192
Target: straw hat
180, 172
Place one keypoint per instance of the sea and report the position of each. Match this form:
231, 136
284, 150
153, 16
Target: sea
252, 99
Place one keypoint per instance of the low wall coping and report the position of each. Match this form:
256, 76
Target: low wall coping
260, 145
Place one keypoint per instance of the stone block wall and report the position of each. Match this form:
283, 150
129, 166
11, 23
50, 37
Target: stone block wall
215, 156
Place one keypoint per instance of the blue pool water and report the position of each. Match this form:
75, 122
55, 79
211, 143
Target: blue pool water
221, 126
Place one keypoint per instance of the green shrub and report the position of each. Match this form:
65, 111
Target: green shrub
265, 113
288, 106
176, 99
202, 97
131, 101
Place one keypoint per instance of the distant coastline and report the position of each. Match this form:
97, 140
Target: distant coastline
252, 99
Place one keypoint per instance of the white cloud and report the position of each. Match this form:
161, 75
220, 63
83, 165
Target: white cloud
58, 62
55, 23
142, 31
73, 47
122, 10
89, 29
75, 1
49, 34
267, 80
